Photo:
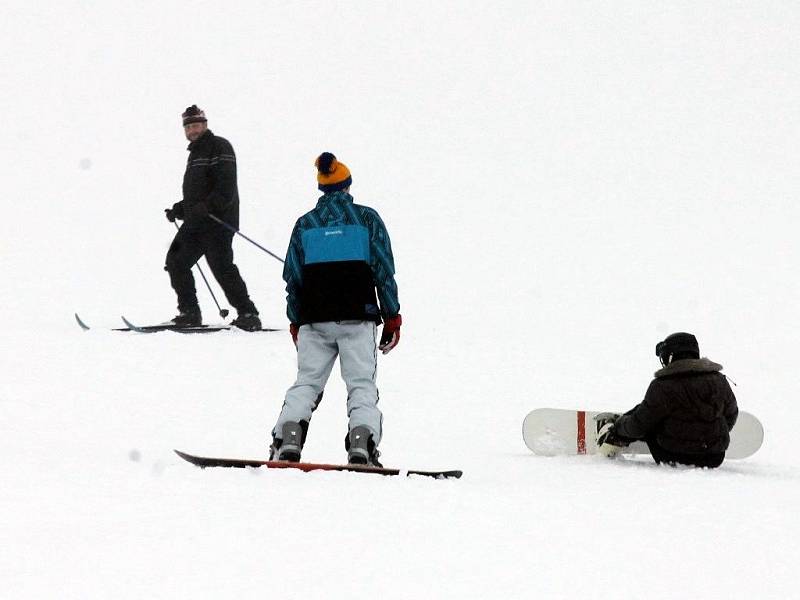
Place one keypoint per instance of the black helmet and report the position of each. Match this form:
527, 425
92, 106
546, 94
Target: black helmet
676, 347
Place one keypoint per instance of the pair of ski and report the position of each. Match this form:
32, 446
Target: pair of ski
168, 326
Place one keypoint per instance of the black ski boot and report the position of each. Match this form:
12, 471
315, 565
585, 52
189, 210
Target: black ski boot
361, 448
188, 318
247, 321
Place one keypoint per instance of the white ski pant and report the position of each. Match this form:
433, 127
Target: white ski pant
318, 345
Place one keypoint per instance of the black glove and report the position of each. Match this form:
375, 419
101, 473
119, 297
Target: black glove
607, 435
609, 444
176, 212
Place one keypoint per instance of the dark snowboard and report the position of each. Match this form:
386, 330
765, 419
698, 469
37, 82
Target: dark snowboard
241, 463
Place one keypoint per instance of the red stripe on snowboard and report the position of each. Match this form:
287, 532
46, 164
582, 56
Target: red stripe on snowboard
581, 432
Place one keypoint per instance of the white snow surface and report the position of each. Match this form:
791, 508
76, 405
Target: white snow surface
564, 184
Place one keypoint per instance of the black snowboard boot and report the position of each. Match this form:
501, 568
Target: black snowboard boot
247, 321
361, 448
290, 446
188, 318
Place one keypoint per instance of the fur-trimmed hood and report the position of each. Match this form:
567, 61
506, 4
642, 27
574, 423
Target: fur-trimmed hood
689, 365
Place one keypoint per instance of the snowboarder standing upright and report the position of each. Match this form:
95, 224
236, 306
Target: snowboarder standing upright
687, 413
339, 254
209, 188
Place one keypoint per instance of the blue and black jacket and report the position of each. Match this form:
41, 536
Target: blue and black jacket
339, 254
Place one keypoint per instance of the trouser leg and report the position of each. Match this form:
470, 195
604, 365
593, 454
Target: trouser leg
358, 359
656, 451
660, 455
219, 254
316, 353
185, 250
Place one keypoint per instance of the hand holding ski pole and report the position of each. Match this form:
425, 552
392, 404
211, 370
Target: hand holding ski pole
176, 212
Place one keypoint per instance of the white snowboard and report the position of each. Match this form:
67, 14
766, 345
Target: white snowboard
555, 431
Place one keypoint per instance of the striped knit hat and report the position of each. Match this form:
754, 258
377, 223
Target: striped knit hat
193, 115
332, 175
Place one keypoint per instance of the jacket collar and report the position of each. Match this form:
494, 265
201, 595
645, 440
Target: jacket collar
689, 365
339, 196
202, 140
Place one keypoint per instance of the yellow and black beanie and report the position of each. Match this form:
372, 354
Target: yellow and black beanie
193, 115
332, 175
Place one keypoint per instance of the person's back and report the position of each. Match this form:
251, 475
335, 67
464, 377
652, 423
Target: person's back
338, 255
701, 407
688, 411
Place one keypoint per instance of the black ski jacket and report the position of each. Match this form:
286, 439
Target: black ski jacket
689, 408
210, 177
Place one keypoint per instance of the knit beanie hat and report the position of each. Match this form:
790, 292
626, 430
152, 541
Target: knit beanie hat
193, 115
332, 175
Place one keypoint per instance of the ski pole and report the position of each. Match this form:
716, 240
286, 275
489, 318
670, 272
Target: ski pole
223, 312
256, 244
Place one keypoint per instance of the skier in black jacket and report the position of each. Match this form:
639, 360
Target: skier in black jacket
687, 413
209, 187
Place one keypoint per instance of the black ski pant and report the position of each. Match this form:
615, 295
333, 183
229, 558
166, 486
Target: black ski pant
216, 243
660, 455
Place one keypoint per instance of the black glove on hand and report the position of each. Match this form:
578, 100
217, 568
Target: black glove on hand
609, 444
176, 212
607, 435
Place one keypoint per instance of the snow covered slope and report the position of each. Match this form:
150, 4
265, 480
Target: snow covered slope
564, 185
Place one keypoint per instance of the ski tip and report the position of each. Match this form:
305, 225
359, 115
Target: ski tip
137, 328
82, 325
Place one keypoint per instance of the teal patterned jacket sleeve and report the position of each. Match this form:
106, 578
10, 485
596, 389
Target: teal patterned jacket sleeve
382, 264
293, 274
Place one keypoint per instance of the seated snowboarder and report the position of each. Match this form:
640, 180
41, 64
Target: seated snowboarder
687, 412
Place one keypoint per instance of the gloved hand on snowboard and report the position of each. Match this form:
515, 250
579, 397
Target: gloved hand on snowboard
390, 336
608, 442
